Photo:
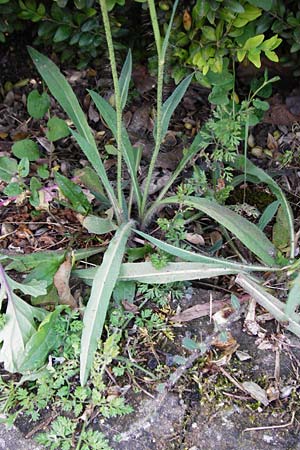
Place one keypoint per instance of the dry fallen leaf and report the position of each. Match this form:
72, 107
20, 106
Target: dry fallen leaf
61, 282
256, 392
195, 238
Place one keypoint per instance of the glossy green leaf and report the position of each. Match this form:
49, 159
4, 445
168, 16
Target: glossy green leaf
38, 104
125, 78
103, 285
248, 233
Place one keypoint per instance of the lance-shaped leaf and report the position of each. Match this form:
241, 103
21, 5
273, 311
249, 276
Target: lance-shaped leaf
62, 91
258, 174
198, 257
270, 303
248, 233
125, 78
293, 300
42, 342
182, 271
104, 282
130, 154
171, 104
146, 273
19, 327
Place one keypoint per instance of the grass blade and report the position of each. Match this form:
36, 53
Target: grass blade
270, 303
104, 282
248, 233
263, 177
198, 257
125, 78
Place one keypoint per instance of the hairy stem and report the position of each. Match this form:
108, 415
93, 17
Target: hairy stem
114, 73
159, 98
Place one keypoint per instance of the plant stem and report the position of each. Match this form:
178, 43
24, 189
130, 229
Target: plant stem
159, 98
114, 73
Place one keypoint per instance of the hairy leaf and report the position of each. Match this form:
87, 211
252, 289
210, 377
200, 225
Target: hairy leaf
103, 285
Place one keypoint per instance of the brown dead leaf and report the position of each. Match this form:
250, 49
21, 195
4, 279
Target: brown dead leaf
195, 238
142, 80
256, 392
280, 115
201, 310
229, 346
61, 282
272, 144
93, 114
3, 135
130, 307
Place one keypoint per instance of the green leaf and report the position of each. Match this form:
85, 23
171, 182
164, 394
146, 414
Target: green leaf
125, 78
8, 168
129, 153
13, 189
262, 176
23, 167
253, 42
124, 290
254, 57
168, 32
280, 235
73, 193
18, 329
42, 342
63, 32
57, 129
187, 255
62, 91
270, 303
103, 285
268, 214
98, 225
171, 104
293, 300
144, 272
38, 104
248, 233
219, 96
260, 104
209, 33
96, 163
26, 149
89, 178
